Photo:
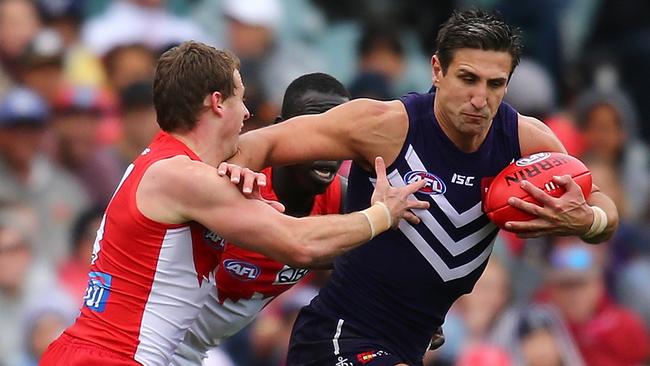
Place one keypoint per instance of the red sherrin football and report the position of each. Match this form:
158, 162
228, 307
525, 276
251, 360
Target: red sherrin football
537, 169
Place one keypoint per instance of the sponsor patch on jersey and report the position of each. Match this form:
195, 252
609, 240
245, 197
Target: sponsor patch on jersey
241, 270
214, 240
365, 357
289, 276
99, 288
532, 159
434, 185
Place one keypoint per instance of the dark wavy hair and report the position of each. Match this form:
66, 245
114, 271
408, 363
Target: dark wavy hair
477, 29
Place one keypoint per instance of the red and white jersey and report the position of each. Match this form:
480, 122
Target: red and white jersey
246, 282
148, 280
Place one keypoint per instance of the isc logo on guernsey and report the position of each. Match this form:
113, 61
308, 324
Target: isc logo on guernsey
434, 184
241, 270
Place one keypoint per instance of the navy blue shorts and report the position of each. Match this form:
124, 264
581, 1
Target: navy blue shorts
320, 340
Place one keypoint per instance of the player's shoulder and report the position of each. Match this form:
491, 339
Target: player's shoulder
371, 107
180, 177
532, 124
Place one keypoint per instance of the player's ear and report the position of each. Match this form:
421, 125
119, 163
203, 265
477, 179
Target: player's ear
436, 70
214, 101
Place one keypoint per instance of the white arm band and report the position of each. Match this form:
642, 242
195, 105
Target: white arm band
598, 225
379, 218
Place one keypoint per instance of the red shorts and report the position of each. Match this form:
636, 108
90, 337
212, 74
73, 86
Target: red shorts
70, 351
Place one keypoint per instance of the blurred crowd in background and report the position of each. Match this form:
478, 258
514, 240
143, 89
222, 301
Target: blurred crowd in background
76, 109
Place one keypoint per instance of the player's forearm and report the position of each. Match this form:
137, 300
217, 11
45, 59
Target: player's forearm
605, 203
253, 152
320, 239
323, 238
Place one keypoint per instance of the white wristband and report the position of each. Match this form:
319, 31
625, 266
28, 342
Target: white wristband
378, 218
598, 225
372, 226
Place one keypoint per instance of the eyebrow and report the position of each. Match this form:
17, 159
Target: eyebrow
467, 72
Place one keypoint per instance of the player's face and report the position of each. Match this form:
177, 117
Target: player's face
236, 111
470, 92
316, 176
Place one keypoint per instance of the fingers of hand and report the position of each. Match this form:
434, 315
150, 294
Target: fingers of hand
567, 182
536, 225
249, 180
417, 205
380, 170
541, 196
528, 207
222, 169
533, 234
411, 218
235, 173
416, 186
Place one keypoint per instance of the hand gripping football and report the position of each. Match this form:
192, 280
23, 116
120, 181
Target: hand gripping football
537, 169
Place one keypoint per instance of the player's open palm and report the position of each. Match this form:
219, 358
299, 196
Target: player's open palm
397, 199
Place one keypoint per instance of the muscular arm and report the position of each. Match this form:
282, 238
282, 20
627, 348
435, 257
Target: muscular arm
179, 190
360, 130
535, 136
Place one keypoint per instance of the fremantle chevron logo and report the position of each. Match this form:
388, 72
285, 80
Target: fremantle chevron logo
434, 185
532, 159
241, 270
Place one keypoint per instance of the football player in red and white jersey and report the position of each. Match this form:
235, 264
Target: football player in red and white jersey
247, 281
158, 242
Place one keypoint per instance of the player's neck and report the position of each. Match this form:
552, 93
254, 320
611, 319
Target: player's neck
465, 142
297, 202
206, 149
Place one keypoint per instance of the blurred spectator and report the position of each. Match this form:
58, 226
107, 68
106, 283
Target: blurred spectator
532, 93
43, 322
539, 21
64, 17
27, 177
619, 34
371, 85
270, 334
73, 273
139, 125
485, 355
252, 29
41, 65
78, 112
608, 122
530, 90
380, 62
22, 278
474, 316
606, 334
632, 286
536, 336
138, 21
19, 24
127, 64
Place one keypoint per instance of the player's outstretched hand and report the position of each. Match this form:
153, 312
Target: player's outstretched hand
567, 215
249, 182
397, 198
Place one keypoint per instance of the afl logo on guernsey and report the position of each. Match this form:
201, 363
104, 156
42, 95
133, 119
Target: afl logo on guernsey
241, 270
532, 159
434, 184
